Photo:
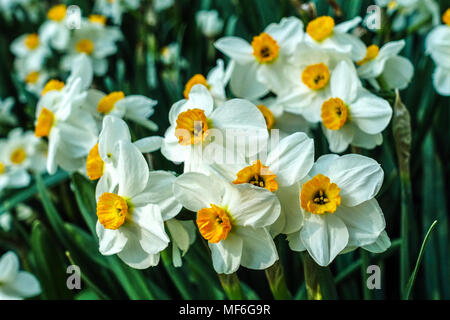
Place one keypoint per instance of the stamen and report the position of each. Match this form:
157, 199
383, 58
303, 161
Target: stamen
265, 48
316, 76
319, 195
214, 223
335, 113
258, 175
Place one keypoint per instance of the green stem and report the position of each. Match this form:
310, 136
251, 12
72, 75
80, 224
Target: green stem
277, 282
176, 276
230, 283
319, 280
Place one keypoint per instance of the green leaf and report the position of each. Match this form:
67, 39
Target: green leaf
419, 259
85, 196
50, 265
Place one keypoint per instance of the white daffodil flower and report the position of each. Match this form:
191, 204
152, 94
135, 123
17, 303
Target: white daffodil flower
6, 116
278, 119
31, 47
209, 22
216, 81
353, 115
19, 153
96, 41
438, 46
196, 127
60, 118
15, 284
395, 71
102, 160
338, 208
55, 31
287, 163
115, 9
308, 80
131, 213
323, 33
233, 218
259, 65
182, 234
136, 108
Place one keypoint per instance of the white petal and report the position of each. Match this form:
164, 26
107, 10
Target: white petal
398, 72
159, 191
25, 285
370, 112
244, 81
226, 254
339, 140
365, 140
295, 241
441, 81
364, 222
149, 144
380, 245
288, 33
292, 158
324, 236
110, 241
152, 236
114, 129
137, 106
344, 82
9, 266
359, 178
258, 250
290, 208
194, 191
235, 48
132, 170
252, 206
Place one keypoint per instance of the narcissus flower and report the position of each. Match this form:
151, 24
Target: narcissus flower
216, 81
394, 70
195, 123
60, 118
97, 42
308, 80
337, 207
130, 221
16, 284
287, 163
353, 115
136, 108
322, 32
55, 32
438, 46
233, 219
19, 153
259, 65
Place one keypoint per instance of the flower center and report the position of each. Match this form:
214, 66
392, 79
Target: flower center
320, 28
258, 175
196, 79
44, 123
112, 210
18, 156
52, 85
268, 115
334, 113
192, 127
316, 76
2, 168
372, 53
32, 41
32, 77
265, 48
84, 46
107, 103
446, 17
214, 223
97, 18
319, 195
57, 13
94, 164
392, 5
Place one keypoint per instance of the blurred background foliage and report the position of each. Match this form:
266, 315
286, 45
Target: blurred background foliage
62, 230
